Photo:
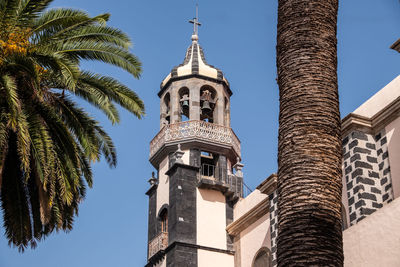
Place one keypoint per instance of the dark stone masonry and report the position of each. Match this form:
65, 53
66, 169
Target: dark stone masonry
367, 173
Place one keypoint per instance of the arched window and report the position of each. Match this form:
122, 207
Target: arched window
164, 220
263, 258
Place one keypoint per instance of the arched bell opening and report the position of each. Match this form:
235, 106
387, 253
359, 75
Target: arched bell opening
227, 122
166, 110
184, 104
208, 101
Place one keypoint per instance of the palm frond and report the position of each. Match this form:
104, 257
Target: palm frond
30, 9
57, 19
98, 33
99, 51
118, 92
9, 87
14, 200
8, 13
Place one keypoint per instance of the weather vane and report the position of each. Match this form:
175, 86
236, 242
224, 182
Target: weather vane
195, 21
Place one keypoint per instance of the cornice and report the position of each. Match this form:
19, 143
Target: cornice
249, 217
371, 125
268, 185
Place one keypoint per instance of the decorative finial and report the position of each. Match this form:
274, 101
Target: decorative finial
238, 167
153, 179
178, 155
196, 23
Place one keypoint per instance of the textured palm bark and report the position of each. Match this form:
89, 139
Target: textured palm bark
309, 156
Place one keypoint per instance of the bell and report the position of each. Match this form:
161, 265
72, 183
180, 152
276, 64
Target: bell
185, 104
206, 108
168, 116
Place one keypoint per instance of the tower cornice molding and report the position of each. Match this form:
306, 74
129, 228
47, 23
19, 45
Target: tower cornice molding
224, 82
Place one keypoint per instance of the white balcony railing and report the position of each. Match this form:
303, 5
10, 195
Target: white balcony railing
195, 129
160, 242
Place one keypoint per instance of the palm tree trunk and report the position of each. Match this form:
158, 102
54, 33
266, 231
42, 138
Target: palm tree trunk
309, 149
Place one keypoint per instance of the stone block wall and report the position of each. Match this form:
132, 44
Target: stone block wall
365, 157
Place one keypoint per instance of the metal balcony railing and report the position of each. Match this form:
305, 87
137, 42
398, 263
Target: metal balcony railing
234, 183
160, 242
202, 130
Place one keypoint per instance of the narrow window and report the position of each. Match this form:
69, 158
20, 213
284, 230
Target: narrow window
164, 221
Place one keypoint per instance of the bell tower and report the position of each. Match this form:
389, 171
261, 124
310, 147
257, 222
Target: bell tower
197, 158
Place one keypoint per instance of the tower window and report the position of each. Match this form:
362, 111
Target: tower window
164, 221
209, 162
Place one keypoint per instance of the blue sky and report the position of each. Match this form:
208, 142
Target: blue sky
238, 37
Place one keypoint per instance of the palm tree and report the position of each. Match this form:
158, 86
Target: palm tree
47, 142
309, 147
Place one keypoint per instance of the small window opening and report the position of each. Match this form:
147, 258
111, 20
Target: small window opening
209, 165
164, 221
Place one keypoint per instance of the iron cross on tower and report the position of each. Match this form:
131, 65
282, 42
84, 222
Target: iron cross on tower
195, 22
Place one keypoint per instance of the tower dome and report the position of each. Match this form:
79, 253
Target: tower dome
194, 65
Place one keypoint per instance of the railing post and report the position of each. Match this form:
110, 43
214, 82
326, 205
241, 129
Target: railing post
239, 176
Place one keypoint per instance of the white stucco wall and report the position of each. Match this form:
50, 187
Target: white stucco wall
393, 141
186, 156
211, 218
214, 259
246, 204
374, 241
254, 237
163, 185
163, 263
380, 100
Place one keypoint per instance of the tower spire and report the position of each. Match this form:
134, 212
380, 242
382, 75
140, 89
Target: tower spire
196, 23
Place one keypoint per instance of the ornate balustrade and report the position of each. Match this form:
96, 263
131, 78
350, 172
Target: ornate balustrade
195, 129
158, 243
214, 177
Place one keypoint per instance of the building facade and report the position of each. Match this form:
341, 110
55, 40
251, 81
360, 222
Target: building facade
198, 215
